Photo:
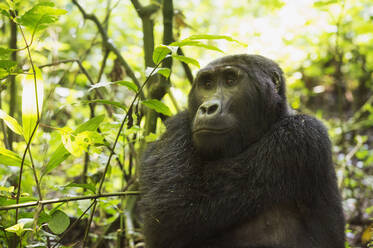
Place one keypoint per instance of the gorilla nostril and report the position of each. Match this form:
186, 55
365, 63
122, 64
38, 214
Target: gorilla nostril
212, 109
203, 109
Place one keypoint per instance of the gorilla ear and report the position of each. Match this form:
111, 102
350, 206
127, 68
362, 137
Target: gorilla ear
277, 80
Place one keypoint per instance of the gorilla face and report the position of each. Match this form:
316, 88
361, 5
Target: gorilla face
232, 103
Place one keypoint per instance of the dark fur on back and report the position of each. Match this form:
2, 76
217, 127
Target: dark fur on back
281, 191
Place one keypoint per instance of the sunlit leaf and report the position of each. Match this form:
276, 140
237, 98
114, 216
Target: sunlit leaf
7, 64
186, 60
18, 229
163, 71
4, 6
58, 222
11, 123
166, 72
40, 16
195, 43
214, 37
76, 144
61, 154
158, 106
90, 187
160, 52
91, 124
10, 158
128, 84
5, 53
29, 109
320, 4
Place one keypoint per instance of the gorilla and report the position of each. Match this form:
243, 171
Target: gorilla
239, 169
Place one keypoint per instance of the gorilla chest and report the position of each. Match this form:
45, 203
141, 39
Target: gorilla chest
273, 228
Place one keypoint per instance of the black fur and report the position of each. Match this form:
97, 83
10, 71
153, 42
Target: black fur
280, 191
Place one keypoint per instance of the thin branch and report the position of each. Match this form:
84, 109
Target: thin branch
67, 199
108, 44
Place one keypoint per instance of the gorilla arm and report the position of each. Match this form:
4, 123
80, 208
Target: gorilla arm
187, 201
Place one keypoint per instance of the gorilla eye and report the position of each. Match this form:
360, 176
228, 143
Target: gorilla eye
206, 82
230, 77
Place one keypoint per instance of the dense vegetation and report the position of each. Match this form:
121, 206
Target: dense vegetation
84, 85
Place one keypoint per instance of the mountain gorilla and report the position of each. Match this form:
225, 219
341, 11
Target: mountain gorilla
238, 169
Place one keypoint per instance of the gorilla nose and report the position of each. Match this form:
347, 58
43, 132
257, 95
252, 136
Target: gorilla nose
209, 108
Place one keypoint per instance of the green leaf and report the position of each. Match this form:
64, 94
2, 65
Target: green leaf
4, 6
29, 109
115, 104
90, 187
128, 84
214, 37
61, 154
4, 10
10, 158
40, 16
320, 4
58, 222
365, 28
186, 60
91, 124
196, 44
158, 106
160, 52
76, 144
11, 123
166, 72
4, 53
7, 64
163, 71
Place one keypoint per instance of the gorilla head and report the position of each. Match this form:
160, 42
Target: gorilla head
233, 102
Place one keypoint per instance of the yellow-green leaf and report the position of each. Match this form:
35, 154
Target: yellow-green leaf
18, 229
160, 52
11, 123
186, 60
30, 96
40, 16
195, 43
158, 106
214, 37
10, 158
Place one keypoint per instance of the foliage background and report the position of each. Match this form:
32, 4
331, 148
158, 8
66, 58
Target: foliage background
325, 48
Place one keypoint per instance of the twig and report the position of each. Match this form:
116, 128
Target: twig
66, 199
347, 160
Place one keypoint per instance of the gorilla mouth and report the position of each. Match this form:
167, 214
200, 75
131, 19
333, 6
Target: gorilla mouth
211, 130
